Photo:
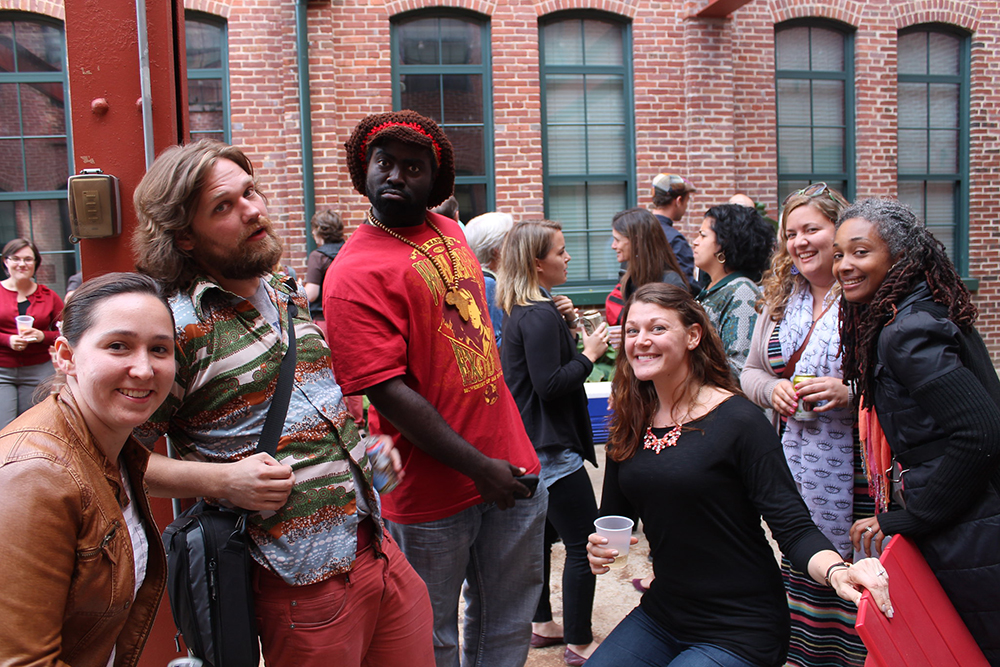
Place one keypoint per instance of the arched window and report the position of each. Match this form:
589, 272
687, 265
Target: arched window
34, 141
814, 79
588, 138
441, 69
933, 133
208, 76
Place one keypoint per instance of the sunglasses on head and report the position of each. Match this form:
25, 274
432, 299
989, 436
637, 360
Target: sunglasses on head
813, 190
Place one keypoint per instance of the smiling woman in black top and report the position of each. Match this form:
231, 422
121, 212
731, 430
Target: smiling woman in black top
700, 465
545, 373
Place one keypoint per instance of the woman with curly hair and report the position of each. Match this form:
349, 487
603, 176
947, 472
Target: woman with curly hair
733, 247
798, 333
930, 405
700, 465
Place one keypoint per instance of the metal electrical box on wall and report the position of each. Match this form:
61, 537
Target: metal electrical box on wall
95, 207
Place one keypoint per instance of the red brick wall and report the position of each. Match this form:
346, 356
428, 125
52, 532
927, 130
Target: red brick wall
703, 92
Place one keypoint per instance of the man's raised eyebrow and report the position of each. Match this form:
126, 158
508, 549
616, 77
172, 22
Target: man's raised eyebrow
221, 191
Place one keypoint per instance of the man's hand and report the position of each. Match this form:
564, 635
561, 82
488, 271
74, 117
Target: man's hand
258, 483
497, 483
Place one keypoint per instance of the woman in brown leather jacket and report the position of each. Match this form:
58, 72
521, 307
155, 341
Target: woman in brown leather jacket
83, 567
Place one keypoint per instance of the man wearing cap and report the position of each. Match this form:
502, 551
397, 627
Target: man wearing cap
671, 196
330, 587
408, 324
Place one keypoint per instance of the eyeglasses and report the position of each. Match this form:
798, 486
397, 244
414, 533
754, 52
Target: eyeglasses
27, 261
810, 191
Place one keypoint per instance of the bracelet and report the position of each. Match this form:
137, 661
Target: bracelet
842, 565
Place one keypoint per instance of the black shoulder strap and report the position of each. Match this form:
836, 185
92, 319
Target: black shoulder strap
282, 392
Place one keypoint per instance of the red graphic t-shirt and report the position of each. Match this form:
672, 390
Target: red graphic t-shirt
386, 317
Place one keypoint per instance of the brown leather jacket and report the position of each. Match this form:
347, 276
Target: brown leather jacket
66, 566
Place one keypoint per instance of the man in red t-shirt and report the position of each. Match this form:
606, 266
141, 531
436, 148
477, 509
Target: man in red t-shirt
408, 325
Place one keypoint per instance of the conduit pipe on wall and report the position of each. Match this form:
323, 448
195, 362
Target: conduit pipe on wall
144, 81
305, 116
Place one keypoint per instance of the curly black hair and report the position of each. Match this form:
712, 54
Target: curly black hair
744, 237
408, 127
919, 257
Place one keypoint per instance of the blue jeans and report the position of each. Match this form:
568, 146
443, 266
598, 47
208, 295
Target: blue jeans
499, 554
640, 641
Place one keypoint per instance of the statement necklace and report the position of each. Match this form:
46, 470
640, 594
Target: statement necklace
455, 296
670, 438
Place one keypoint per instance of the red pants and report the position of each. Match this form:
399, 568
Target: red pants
378, 615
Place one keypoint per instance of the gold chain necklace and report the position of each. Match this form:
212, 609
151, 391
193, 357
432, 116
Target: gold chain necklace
454, 296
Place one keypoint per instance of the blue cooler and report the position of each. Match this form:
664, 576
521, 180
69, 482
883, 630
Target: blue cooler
597, 406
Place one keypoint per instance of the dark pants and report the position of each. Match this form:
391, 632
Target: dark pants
572, 510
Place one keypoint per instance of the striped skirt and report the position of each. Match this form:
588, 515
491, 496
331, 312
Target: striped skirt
823, 633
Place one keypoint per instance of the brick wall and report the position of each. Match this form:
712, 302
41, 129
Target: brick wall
703, 95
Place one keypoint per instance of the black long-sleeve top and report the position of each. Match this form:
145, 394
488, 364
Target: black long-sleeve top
545, 374
701, 502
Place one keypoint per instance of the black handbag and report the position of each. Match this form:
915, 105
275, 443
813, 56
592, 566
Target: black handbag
209, 565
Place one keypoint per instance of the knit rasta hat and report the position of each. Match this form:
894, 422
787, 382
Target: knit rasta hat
408, 127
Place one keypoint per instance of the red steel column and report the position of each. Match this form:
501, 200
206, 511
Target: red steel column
104, 81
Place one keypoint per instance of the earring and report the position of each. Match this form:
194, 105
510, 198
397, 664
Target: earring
721, 257
795, 270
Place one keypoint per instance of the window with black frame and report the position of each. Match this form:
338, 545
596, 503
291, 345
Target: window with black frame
441, 69
814, 82
588, 139
933, 133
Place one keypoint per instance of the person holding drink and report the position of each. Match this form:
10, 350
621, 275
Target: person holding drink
28, 315
694, 459
545, 374
794, 369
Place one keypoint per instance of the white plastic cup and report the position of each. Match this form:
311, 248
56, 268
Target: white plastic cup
24, 322
618, 531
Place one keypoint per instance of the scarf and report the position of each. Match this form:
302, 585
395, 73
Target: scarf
876, 455
820, 453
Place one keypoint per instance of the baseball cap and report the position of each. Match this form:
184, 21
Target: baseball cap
673, 183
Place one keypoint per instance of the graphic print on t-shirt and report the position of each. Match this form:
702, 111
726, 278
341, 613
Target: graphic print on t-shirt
471, 341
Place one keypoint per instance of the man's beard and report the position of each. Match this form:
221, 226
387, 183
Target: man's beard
392, 212
249, 261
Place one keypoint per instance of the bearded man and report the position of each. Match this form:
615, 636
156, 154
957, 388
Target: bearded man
330, 585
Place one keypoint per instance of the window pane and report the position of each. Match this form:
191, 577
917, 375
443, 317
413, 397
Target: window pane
463, 98
422, 93
794, 154
12, 172
944, 104
10, 122
204, 44
792, 48
828, 150
563, 43
39, 47
468, 144
912, 104
460, 43
566, 149
944, 152
564, 98
42, 109
912, 152
46, 223
911, 193
568, 204
206, 111
912, 53
943, 53
47, 163
793, 102
828, 102
606, 150
940, 213
471, 200
605, 99
603, 41
827, 50
418, 42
